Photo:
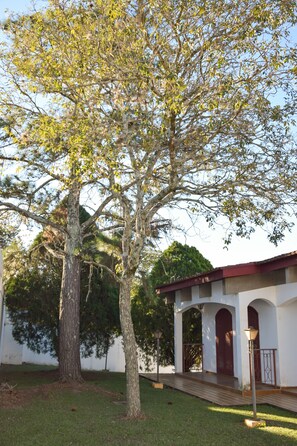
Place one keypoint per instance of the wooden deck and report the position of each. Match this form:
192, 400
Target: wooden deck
221, 394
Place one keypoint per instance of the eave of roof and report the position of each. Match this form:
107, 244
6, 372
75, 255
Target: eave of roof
242, 269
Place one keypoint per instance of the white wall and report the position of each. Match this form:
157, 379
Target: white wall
11, 351
209, 337
241, 344
14, 353
115, 359
287, 334
178, 340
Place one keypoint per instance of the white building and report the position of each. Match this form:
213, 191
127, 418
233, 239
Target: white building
232, 298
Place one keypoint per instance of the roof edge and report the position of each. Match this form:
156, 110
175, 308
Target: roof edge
241, 269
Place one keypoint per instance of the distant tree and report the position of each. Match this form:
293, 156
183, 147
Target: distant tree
32, 288
150, 311
32, 299
176, 262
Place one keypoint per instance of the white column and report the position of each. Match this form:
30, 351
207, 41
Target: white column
178, 341
242, 345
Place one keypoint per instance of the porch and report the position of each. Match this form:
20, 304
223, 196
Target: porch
223, 390
265, 370
229, 383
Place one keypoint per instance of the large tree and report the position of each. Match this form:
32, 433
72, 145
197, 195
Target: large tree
198, 125
46, 145
157, 103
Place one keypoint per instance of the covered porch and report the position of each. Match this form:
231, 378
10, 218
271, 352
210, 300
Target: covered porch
231, 299
265, 369
224, 353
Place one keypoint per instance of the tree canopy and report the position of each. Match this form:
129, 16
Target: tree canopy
177, 262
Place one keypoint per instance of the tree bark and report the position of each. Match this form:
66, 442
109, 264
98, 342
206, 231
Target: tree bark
130, 348
69, 313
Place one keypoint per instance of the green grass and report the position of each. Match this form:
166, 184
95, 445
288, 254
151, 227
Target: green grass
27, 375
84, 417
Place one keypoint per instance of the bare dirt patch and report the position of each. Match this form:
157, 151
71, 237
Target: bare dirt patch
16, 398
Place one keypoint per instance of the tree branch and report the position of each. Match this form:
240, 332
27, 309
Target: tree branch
37, 218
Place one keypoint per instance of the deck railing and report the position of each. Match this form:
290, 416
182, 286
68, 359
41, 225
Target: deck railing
265, 366
192, 357
265, 362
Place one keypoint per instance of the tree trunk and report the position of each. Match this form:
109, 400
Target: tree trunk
130, 348
69, 314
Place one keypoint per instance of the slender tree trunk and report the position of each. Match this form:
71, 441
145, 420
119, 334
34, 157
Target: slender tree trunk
130, 348
69, 314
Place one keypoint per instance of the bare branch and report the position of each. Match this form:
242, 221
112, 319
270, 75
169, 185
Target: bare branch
37, 218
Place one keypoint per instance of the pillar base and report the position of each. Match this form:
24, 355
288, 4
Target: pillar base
255, 423
157, 385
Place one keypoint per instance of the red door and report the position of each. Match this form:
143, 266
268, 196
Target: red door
224, 342
253, 321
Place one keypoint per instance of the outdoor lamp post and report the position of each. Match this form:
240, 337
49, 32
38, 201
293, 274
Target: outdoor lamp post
251, 334
158, 335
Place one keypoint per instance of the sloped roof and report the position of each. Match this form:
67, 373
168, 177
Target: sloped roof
241, 269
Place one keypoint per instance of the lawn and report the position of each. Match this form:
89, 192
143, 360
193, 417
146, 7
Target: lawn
41, 412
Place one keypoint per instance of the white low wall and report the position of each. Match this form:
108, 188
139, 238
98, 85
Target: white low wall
115, 359
13, 353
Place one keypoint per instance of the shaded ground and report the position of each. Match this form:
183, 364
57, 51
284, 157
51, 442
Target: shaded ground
13, 395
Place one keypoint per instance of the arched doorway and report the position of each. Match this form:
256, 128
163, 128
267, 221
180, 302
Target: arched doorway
192, 340
253, 321
224, 342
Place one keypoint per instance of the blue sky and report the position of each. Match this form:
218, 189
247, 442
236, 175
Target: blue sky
16, 5
209, 242
12, 5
